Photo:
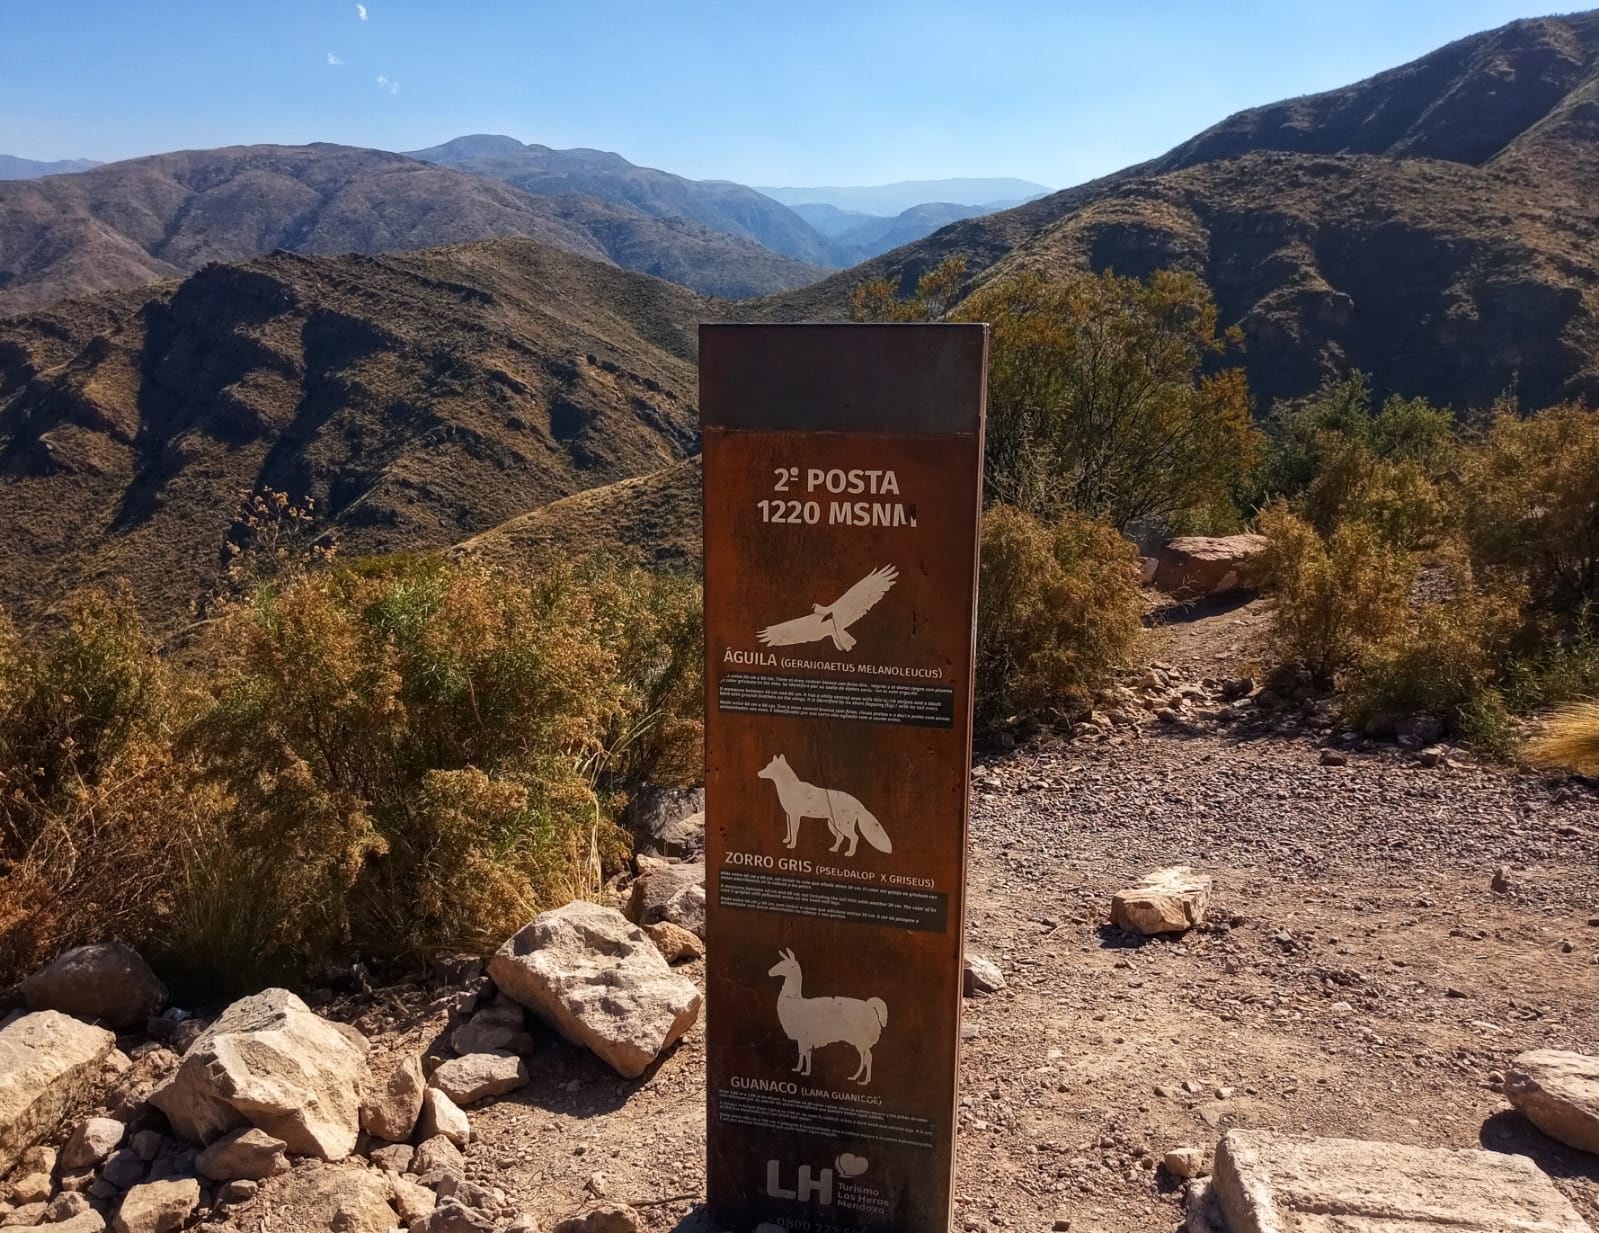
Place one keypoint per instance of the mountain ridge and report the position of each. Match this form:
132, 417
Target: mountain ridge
163, 216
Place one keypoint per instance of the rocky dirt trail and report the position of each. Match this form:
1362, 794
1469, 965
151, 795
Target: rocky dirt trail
1358, 975
1390, 926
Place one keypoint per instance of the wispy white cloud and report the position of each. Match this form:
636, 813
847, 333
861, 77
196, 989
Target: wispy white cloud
393, 87
360, 11
334, 60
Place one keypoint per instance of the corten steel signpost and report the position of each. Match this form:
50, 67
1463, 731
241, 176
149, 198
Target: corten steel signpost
843, 482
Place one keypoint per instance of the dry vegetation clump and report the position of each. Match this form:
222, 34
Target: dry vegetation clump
1571, 739
1360, 501
391, 758
1059, 609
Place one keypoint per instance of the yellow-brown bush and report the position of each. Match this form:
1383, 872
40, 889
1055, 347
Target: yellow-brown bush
394, 757
1332, 597
1571, 739
97, 809
1443, 660
1059, 609
1529, 501
412, 750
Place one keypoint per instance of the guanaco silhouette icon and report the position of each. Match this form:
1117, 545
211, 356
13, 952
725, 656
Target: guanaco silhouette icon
846, 817
810, 1022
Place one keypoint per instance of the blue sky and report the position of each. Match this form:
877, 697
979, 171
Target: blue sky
822, 92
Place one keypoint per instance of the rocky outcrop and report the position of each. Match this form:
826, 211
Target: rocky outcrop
1169, 900
48, 1062
269, 1062
1265, 1182
1202, 566
600, 982
1558, 1092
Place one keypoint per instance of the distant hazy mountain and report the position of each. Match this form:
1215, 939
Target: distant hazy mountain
830, 220
160, 217
14, 168
872, 235
892, 199
719, 204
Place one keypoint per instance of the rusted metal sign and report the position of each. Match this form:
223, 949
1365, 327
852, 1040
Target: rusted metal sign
843, 470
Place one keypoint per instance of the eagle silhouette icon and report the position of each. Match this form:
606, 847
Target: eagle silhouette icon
833, 620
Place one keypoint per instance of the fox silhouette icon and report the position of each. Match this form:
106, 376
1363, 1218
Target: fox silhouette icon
846, 817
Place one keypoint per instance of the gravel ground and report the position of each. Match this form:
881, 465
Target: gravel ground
1357, 976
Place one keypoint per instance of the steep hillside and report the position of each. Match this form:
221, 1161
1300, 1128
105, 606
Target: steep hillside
718, 204
131, 223
418, 398
14, 168
652, 521
1435, 225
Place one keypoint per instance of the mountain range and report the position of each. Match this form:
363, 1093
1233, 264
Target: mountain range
887, 200
1434, 225
14, 168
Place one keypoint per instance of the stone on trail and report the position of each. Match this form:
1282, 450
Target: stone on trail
600, 982
1185, 1162
31, 1188
48, 1063
94, 1139
477, 1076
981, 976
395, 1157
601, 1218
686, 910
451, 1216
676, 944
268, 1061
251, 1154
442, 1116
157, 1207
1200, 566
1170, 900
411, 1200
1558, 1092
107, 981
314, 1198
1265, 1182
90, 1221
391, 1104
437, 1153
653, 890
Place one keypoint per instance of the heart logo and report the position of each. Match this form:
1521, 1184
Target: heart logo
852, 1166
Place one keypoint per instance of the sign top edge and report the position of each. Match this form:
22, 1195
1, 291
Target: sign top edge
913, 378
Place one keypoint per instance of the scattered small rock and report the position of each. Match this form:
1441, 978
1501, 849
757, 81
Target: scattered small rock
442, 1116
251, 1154
92, 1141
466, 1080
390, 1107
1185, 1162
601, 1218
1170, 900
981, 976
158, 1207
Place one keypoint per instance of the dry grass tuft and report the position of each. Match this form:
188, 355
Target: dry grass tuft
1571, 741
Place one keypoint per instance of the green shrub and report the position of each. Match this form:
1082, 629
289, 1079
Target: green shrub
1443, 660
1331, 597
1530, 505
1059, 608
